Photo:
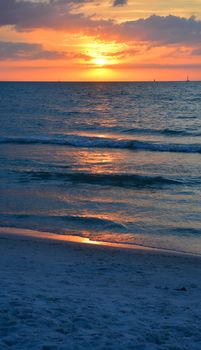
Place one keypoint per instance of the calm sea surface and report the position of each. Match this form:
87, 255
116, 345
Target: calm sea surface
116, 162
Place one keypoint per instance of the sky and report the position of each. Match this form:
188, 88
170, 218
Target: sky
92, 40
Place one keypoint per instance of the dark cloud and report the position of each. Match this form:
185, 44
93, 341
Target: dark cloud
163, 30
56, 14
25, 51
119, 3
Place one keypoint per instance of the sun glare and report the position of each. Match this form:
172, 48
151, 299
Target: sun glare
100, 61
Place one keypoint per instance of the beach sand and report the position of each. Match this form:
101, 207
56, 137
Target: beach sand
73, 296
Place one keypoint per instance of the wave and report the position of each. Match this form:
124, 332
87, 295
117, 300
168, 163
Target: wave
121, 180
166, 131
86, 222
75, 140
93, 221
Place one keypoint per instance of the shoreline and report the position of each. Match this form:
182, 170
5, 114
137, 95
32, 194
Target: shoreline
78, 240
58, 295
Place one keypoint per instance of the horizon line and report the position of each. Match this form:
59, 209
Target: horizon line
99, 81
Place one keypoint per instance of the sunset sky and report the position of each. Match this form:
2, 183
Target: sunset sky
89, 40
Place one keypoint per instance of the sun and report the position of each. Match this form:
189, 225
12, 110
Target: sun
100, 61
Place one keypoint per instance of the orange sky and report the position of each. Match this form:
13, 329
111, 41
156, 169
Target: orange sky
85, 40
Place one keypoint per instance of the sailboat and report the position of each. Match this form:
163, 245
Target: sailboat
187, 79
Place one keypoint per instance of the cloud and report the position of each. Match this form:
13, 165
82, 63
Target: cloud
119, 3
124, 53
57, 14
155, 66
196, 52
167, 30
25, 51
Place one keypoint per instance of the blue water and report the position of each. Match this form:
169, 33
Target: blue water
118, 162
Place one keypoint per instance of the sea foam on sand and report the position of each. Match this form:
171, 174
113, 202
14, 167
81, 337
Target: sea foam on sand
71, 296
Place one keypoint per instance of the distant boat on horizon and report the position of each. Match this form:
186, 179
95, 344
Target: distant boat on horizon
187, 79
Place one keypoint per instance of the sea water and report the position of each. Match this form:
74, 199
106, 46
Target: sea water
116, 162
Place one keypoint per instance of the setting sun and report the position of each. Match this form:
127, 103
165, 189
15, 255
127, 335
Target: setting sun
100, 61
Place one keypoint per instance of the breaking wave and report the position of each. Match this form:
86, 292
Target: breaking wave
103, 142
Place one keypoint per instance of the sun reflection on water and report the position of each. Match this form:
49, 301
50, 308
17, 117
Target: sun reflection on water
96, 162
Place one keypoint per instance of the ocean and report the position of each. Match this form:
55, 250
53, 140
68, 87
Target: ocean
114, 162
